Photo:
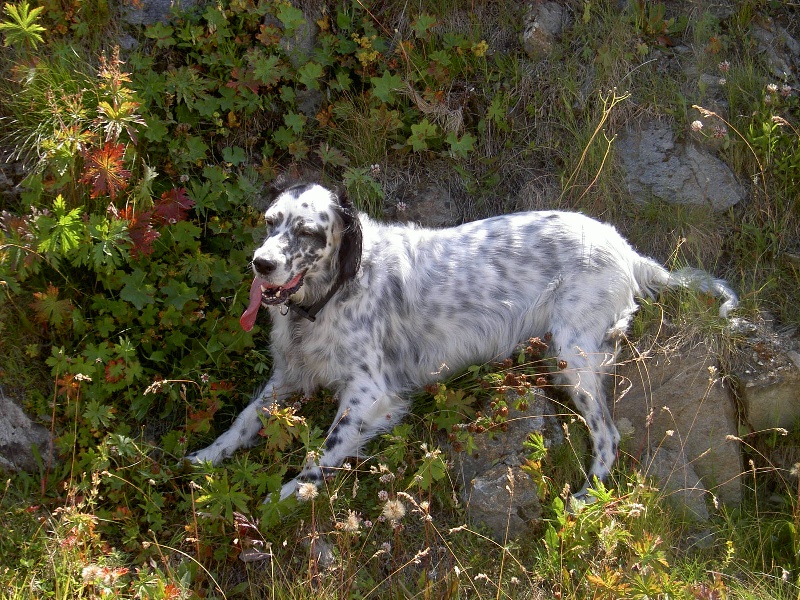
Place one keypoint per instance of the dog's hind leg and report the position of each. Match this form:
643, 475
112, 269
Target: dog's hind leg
583, 380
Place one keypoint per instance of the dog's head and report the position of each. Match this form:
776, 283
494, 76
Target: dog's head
313, 242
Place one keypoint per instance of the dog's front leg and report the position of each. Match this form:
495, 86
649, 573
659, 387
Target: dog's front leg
245, 428
365, 409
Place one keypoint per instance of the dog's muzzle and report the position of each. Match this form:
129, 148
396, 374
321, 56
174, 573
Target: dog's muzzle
265, 293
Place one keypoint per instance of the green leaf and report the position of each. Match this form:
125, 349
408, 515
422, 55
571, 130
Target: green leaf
98, 415
461, 147
295, 121
497, 110
136, 290
179, 293
64, 232
384, 86
266, 69
162, 34
283, 136
422, 25
420, 134
234, 155
22, 27
310, 74
291, 17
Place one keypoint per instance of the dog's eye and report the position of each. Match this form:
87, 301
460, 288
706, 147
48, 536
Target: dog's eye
311, 233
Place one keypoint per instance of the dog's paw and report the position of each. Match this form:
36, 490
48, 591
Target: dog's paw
302, 490
210, 454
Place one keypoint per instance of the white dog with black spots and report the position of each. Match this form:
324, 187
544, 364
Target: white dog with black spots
374, 311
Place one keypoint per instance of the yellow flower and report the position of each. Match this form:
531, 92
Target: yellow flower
480, 48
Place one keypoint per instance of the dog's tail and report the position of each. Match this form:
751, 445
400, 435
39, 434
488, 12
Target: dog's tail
652, 278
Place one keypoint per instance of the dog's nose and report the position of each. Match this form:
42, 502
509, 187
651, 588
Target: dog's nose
264, 267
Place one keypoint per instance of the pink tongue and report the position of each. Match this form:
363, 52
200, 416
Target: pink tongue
248, 318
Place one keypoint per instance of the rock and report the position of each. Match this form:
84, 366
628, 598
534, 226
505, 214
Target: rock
659, 166
768, 371
681, 417
425, 201
149, 12
679, 482
495, 490
543, 23
779, 49
18, 436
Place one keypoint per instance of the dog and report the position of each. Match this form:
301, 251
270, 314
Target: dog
374, 311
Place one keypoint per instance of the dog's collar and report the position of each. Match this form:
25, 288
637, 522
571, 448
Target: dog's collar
310, 312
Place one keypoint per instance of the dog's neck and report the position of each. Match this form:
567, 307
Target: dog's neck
310, 312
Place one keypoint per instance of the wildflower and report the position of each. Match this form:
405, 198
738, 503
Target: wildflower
402, 207
204, 377
351, 524
481, 577
480, 48
786, 90
636, 510
420, 555
772, 88
724, 66
697, 125
394, 510
722, 81
383, 495
91, 573
82, 377
795, 471
307, 491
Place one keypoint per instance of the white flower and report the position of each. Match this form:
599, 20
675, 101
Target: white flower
351, 524
307, 491
697, 125
91, 573
394, 510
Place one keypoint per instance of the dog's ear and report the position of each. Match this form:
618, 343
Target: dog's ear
350, 246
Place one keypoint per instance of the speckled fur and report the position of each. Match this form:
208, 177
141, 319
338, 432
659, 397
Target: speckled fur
420, 304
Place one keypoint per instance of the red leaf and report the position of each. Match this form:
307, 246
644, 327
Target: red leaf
242, 78
140, 230
103, 170
173, 206
115, 370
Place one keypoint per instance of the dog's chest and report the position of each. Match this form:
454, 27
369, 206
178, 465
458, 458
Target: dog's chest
315, 351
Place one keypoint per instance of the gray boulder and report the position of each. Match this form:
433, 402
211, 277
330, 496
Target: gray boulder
496, 492
678, 419
18, 437
657, 165
768, 372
